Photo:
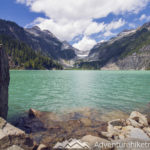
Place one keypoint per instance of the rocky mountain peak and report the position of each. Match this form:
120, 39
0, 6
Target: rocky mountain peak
49, 33
36, 28
126, 32
66, 45
146, 25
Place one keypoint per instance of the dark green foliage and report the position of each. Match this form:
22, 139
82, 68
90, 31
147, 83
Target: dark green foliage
67, 54
44, 42
24, 57
89, 65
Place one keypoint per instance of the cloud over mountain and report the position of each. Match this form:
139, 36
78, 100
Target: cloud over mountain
70, 18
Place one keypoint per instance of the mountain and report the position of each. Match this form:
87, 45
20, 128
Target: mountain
45, 41
40, 41
21, 56
33, 48
128, 50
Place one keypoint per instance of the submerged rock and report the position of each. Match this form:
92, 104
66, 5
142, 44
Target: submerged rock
86, 122
114, 115
48, 128
43, 115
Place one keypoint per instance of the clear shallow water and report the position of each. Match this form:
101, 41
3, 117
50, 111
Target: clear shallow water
60, 91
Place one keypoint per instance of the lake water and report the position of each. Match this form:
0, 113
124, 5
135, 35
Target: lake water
62, 91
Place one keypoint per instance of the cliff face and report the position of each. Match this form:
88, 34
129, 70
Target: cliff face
4, 83
136, 61
129, 50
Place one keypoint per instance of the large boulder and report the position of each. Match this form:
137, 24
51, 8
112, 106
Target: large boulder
12, 137
96, 143
137, 120
116, 129
42, 147
136, 126
4, 83
138, 133
131, 144
14, 147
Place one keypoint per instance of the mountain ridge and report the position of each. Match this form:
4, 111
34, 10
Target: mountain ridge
39, 40
129, 50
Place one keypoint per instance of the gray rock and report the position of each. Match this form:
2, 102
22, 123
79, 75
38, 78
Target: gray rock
138, 133
4, 83
137, 119
97, 142
14, 147
2, 123
41, 147
131, 144
147, 130
133, 123
10, 135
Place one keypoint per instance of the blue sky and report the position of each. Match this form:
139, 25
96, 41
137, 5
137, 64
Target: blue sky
10, 10
83, 23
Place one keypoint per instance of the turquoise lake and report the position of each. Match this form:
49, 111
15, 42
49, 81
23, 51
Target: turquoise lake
61, 91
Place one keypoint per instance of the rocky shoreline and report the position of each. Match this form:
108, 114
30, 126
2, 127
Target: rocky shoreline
44, 131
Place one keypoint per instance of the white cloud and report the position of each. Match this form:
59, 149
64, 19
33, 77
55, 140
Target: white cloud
69, 30
94, 28
132, 25
144, 17
70, 18
63, 31
101, 27
85, 44
83, 9
102, 41
115, 24
108, 33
